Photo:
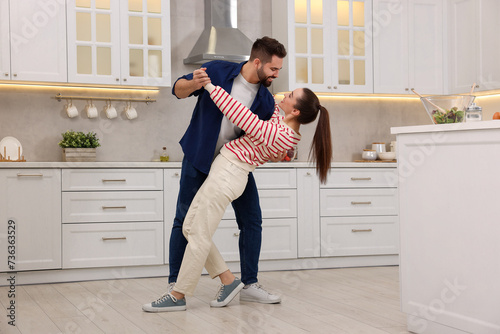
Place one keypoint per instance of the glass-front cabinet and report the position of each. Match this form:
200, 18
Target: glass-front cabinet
328, 44
119, 42
4, 40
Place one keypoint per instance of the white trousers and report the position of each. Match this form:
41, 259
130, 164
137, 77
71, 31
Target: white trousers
225, 182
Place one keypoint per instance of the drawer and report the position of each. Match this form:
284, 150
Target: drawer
358, 202
279, 239
115, 244
362, 178
273, 204
109, 206
342, 236
111, 179
274, 178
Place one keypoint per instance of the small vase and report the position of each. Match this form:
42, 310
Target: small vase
79, 154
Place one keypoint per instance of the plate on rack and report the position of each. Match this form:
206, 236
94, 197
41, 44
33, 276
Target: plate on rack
11, 147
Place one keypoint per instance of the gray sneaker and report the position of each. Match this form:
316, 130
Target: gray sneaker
166, 303
256, 293
226, 293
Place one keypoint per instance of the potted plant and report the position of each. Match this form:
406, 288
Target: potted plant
79, 146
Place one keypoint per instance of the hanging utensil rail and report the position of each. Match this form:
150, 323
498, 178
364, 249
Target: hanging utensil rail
59, 97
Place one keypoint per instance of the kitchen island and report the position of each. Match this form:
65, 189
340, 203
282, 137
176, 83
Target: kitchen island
449, 227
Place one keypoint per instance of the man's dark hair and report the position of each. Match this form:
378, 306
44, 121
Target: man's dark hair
265, 48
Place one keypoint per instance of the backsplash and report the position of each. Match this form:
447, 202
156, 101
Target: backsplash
36, 119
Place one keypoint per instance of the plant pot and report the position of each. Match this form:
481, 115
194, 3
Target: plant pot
79, 154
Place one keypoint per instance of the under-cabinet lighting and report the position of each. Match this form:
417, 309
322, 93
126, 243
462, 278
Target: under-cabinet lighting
106, 89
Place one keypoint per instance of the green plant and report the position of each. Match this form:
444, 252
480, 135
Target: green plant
72, 139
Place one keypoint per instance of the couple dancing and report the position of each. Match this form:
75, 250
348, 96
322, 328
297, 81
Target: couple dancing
230, 179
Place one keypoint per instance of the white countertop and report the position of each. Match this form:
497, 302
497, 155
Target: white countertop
481, 125
150, 164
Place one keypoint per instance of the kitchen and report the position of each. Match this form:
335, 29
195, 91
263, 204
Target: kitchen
31, 114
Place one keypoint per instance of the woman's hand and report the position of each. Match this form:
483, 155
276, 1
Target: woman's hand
279, 157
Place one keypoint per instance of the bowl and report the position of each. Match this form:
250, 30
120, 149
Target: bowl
387, 156
444, 109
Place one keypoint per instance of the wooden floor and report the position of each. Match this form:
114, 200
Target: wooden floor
352, 300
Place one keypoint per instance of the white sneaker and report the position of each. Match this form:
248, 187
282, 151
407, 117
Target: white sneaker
256, 293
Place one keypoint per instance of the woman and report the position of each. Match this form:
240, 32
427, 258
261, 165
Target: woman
227, 180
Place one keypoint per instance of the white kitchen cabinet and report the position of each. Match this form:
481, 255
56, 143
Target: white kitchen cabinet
328, 43
474, 47
112, 217
28, 27
408, 39
119, 42
171, 187
359, 212
4, 40
308, 220
31, 199
278, 202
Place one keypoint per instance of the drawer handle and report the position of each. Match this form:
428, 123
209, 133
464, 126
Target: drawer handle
114, 207
358, 230
29, 175
237, 234
113, 238
361, 203
114, 180
361, 178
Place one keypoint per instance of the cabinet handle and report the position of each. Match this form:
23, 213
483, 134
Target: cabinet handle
176, 174
15, 74
114, 180
6, 74
361, 203
114, 207
237, 234
124, 79
365, 230
29, 175
114, 238
361, 178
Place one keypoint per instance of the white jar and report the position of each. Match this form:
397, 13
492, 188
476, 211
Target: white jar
369, 155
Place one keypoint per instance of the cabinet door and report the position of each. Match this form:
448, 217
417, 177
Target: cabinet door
38, 41
390, 46
4, 40
425, 33
145, 42
308, 224
462, 36
32, 200
489, 45
93, 41
171, 179
351, 37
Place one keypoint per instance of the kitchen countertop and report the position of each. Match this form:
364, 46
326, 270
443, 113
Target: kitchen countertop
481, 125
176, 164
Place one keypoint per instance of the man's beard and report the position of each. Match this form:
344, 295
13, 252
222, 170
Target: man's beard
263, 78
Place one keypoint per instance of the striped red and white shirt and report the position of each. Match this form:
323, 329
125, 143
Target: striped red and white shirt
262, 139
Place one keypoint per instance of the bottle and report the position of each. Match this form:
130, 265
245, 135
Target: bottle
473, 113
164, 156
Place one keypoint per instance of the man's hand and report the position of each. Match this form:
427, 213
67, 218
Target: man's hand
200, 78
279, 157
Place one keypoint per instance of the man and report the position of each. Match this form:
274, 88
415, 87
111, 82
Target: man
208, 131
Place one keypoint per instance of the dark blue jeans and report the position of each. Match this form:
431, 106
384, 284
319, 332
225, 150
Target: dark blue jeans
248, 217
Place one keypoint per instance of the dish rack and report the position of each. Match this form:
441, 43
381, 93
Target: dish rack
4, 158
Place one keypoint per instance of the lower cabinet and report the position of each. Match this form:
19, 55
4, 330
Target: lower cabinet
112, 217
30, 213
359, 212
112, 244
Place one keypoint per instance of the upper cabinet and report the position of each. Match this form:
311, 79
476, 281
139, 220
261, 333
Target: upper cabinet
119, 42
33, 40
474, 46
328, 44
408, 46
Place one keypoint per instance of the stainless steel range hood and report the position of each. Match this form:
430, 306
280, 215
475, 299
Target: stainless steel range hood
221, 38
